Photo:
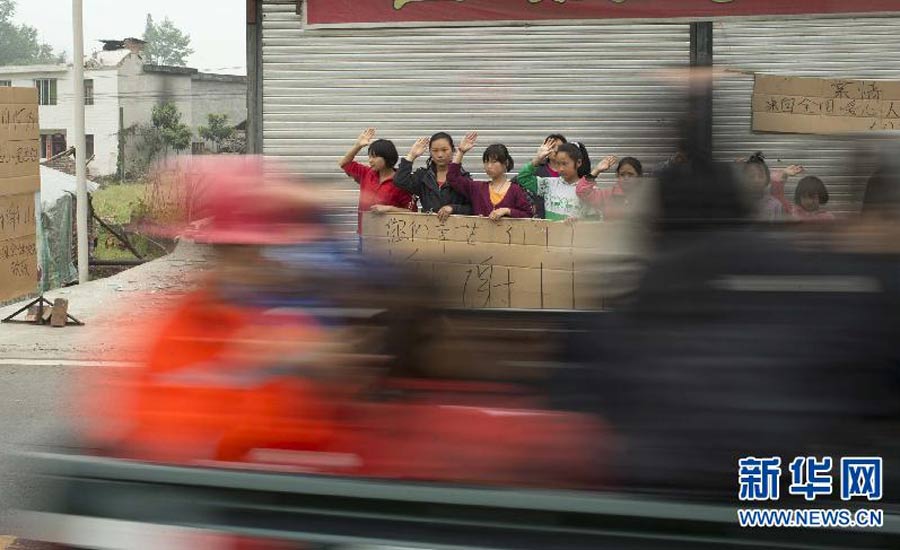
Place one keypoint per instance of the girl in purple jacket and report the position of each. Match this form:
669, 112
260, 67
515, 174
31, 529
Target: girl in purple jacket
497, 198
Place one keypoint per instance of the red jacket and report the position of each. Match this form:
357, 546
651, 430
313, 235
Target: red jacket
204, 391
373, 191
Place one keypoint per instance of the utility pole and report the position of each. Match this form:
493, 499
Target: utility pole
81, 214
121, 143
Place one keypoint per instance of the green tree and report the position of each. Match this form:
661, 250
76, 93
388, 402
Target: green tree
174, 133
166, 43
164, 132
217, 130
19, 44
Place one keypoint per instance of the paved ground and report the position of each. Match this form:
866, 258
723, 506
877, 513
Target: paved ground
31, 400
38, 364
101, 305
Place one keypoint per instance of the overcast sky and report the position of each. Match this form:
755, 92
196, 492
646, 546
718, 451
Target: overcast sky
216, 27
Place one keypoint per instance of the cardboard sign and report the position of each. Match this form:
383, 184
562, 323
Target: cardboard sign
478, 263
824, 106
19, 181
449, 12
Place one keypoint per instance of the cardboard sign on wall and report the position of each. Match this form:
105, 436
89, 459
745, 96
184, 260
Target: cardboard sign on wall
19, 181
797, 105
478, 263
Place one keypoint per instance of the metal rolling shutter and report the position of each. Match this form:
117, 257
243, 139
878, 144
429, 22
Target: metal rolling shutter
514, 84
839, 48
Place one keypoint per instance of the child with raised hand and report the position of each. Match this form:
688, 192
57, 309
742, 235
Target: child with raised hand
779, 179
612, 202
497, 198
767, 186
809, 199
546, 169
430, 183
603, 166
561, 202
377, 191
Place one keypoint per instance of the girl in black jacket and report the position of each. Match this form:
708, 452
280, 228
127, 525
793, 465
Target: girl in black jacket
430, 182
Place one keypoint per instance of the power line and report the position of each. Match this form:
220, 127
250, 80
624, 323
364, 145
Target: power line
156, 95
97, 74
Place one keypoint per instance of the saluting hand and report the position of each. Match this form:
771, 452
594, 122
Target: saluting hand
544, 151
468, 142
794, 170
607, 163
365, 138
418, 149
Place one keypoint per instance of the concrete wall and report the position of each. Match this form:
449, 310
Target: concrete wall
141, 91
194, 94
218, 94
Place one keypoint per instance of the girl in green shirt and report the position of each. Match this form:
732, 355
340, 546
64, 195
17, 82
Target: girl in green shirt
560, 201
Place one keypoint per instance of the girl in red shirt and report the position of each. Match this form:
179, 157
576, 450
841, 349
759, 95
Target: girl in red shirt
612, 202
377, 191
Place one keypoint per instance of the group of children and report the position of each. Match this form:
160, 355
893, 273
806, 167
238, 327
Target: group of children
810, 196
558, 184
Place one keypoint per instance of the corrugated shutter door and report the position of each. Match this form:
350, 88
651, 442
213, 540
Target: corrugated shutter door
829, 48
514, 85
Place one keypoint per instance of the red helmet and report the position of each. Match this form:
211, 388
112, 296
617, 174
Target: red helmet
243, 200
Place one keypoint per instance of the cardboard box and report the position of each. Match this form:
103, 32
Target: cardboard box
483, 253
18, 267
824, 106
17, 216
19, 180
400, 226
28, 96
482, 264
18, 185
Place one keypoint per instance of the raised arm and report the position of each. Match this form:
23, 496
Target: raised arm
778, 180
405, 178
362, 142
460, 182
527, 176
604, 165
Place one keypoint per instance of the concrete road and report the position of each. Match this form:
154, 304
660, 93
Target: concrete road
39, 365
33, 396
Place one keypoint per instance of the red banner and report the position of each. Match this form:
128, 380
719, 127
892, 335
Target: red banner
390, 12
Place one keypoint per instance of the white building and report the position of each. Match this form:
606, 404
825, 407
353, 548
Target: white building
121, 91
